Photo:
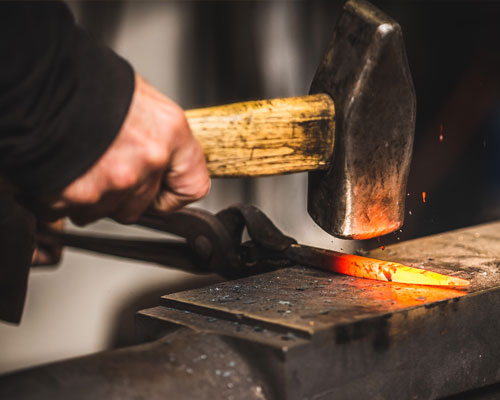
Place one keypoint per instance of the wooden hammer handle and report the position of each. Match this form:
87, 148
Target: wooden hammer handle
266, 137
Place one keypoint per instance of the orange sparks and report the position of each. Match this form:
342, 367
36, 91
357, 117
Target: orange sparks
363, 267
424, 195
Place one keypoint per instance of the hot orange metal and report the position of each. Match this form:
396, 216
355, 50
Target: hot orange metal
364, 267
424, 195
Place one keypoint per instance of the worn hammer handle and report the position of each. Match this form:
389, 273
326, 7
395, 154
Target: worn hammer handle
267, 137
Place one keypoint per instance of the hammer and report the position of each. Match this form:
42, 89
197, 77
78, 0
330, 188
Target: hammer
354, 131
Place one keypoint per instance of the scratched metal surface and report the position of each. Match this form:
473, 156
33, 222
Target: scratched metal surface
305, 301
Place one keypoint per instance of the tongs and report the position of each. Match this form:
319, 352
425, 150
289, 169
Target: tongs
213, 243
208, 243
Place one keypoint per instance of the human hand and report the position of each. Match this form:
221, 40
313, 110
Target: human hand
154, 160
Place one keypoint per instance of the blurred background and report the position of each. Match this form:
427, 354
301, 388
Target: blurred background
207, 53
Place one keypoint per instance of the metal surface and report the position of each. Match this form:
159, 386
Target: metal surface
351, 338
299, 333
310, 301
307, 301
183, 366
366, 72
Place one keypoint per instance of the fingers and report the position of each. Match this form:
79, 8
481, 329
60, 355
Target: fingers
123, 206
154, 150
85, 214
186, 181
135, 205
168, 201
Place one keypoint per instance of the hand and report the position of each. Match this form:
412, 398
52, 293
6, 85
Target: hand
154, 160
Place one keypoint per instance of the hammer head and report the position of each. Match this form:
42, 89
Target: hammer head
366, 72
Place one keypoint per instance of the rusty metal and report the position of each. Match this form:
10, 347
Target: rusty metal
299, 333
366, 72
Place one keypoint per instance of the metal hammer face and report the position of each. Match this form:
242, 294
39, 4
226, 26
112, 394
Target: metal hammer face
366, 72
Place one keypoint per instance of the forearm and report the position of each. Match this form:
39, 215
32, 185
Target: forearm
63, 98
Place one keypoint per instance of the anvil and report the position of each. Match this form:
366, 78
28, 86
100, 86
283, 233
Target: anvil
298, 333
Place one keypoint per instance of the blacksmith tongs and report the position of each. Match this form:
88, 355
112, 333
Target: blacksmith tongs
212, 243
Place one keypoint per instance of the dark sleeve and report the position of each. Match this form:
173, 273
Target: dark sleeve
17, 231
63, 97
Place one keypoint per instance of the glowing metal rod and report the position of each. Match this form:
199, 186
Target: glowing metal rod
364, 267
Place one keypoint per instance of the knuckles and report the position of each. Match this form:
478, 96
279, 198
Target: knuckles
202, 189
82, 195
122, 177
178, 123
155, 155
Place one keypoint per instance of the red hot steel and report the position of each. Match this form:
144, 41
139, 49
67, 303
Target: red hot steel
370, 268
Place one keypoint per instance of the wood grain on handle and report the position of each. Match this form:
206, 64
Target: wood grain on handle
268, 137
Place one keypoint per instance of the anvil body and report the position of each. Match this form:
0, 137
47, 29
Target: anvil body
298, 333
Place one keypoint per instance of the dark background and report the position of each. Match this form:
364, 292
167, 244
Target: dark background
454, 54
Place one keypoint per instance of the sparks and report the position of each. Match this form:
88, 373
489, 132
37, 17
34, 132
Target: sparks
424, 195
441, 137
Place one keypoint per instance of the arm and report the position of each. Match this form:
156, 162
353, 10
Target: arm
80, 134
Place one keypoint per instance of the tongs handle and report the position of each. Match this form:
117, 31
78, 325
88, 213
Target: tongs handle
208, 246
169, 253
213, 242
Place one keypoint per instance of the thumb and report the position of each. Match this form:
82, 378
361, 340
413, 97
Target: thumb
167, 201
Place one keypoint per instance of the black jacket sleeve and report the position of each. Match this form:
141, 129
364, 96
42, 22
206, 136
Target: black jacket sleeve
63, 97
17, 241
